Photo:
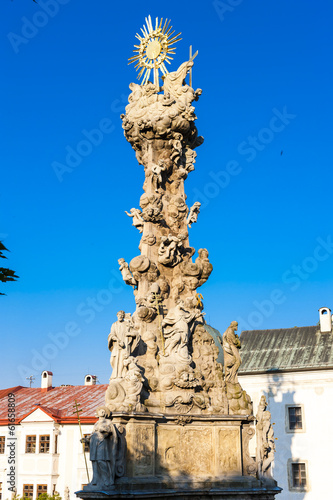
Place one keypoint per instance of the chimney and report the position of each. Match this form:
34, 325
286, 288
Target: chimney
46, 383
325, 320
90, 380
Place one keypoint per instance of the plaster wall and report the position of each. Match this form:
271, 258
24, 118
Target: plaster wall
56, 470
313, 391
72, 470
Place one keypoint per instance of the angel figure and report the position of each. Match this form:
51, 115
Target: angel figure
156, 170
138, 221
193, 215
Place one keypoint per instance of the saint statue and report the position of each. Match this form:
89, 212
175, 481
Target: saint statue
103, 454
176, 330
232, 359
265, 439
120, 341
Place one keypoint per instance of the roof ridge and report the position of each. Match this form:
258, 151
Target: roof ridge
279, 329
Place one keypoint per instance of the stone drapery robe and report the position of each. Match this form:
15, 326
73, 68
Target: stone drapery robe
119, 342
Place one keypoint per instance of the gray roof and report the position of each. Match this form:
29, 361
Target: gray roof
286, 349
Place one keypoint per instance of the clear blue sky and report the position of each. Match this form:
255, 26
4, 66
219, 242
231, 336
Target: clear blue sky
263, 174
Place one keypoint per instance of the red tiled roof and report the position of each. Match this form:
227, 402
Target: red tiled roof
57, 402
5, 392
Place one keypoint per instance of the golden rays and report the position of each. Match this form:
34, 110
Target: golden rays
155, 49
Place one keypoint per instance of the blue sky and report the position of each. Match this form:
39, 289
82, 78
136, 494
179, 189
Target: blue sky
263, 174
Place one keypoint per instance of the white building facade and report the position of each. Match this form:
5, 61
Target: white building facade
293, 368
46, 449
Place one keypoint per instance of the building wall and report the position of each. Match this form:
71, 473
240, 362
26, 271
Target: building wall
66, 468
313, 391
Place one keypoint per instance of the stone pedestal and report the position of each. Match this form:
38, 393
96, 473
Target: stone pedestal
224, 490
187, 456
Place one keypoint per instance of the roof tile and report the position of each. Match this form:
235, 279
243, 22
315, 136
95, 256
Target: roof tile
58, 401
286, 349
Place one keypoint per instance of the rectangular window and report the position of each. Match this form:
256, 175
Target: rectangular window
298, 471
30, 445
295, 417
28, 490
0, 491
56, 443
44, 444
41, 488
2, 444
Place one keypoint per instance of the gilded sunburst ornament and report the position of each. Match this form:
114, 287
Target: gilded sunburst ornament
155, 49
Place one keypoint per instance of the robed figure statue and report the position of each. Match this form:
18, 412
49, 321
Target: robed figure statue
103, 454
120, 340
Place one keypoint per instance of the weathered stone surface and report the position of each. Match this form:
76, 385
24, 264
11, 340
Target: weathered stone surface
200, 456
107, 454
265, 440
141, 450
166, 330
184, 449
239, 401
229, 456
232, 491
187, 421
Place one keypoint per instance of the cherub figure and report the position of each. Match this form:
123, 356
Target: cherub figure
157, 169
138, 221
126, 273
193, 215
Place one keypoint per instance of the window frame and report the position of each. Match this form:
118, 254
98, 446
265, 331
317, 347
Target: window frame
43, 442
44, 489
287, 420
31, 493
297, 489
2, 445
29, 442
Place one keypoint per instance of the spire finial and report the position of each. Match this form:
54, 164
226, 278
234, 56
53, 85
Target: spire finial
154, 50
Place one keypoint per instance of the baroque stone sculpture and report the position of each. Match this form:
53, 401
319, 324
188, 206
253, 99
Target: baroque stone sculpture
193, 215
107, 450
120, 340
239, 401
136, 215
265, 440
169, 382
